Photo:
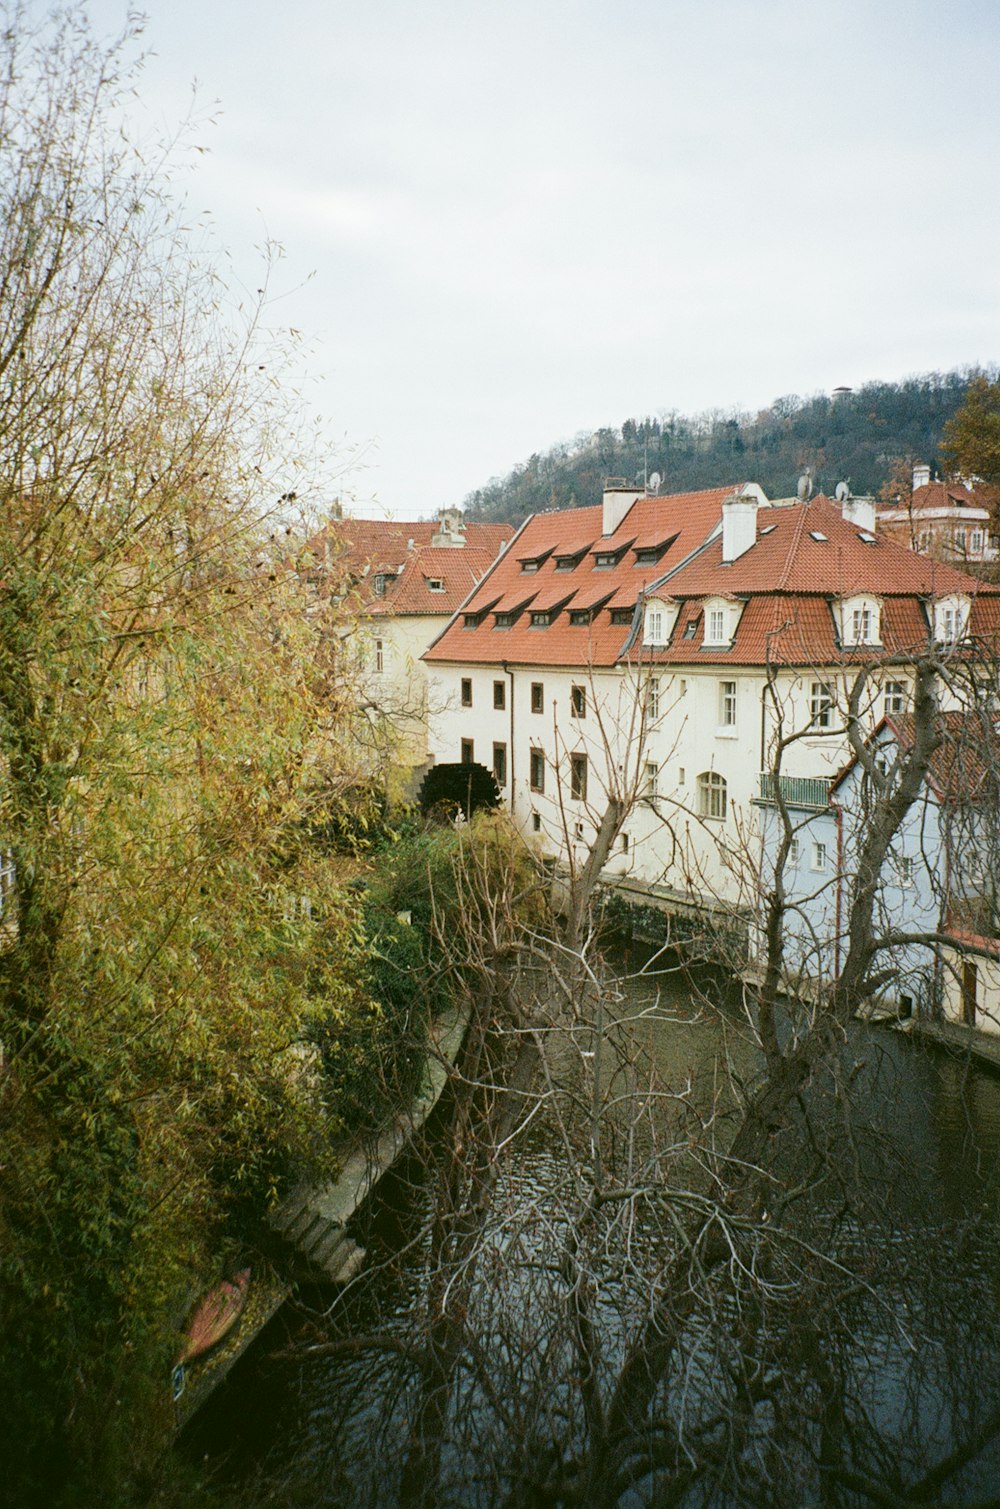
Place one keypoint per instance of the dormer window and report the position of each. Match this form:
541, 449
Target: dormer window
580, 616
622, 615
541, 620
381, 580
570, 560
606, 559
951, 619
660, 619
859, 620
720, 623
435, 583
528, 566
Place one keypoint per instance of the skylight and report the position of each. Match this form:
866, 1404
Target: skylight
768, 528
865, 537
817, 534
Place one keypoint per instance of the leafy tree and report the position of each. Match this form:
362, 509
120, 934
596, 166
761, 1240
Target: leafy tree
166, 738
972, 435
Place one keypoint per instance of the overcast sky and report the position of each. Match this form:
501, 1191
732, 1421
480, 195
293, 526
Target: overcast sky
524, 220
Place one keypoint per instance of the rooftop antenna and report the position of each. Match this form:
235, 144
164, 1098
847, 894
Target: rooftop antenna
805, 487
843, 490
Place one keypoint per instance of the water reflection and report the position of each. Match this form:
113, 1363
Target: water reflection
918, 1135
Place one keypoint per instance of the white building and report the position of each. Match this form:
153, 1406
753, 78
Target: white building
659, 648
944, 519
405, 579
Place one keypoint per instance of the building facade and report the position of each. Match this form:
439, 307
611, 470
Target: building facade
676, 654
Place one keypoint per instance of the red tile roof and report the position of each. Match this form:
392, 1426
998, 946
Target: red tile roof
355, 551
805, 556
937, 495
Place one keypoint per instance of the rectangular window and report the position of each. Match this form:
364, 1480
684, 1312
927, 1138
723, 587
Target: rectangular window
960, 539
578, 831
537, 697
681, 777
500, 763
536, 823
500, 694
536, 770
578, 777
977, 541
861, 626
621, 615
716, 627
793, 852
820, 705
896, 696
623, 842
466, 691
541, 620
654, 626
906, 869
468, 752
727, 704
578, 701
379, 656
819, 857
651, 780
435, 584
653, 701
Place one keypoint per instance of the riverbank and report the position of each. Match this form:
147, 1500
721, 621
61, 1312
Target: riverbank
314, 1218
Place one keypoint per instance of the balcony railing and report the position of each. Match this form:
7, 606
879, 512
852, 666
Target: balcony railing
795, 790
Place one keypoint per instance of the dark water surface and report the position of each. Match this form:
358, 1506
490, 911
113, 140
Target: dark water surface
303, 1427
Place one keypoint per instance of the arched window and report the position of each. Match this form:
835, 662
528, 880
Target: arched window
711, 794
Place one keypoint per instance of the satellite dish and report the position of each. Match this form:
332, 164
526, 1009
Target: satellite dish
842, 492
654, 482
805, 486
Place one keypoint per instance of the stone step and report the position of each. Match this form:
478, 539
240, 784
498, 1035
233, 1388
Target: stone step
351, 1264
329, 1251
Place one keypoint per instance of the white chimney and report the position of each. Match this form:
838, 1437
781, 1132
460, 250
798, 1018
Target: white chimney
860, 512
739, 525
921, 476
618, 499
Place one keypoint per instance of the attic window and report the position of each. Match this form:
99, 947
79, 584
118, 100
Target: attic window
570, 562
540, 620
528, 566
580, 616
435, 583
471, 620
604, 560
381, 581
691, 627
819, 536
865, 537
504, 620
649, 555
622, 615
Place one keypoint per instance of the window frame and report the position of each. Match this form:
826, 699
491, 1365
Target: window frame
500, 763
578, 772
538, 697
822, 701
499, 696
465, 692
578, 701
536, 769
468, 752
728, 695
713, 796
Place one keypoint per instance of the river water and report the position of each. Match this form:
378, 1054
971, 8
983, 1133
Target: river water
306, 1420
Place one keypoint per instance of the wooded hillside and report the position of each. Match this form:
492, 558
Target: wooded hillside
859, 437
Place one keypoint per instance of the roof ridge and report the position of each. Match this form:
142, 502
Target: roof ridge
793, 546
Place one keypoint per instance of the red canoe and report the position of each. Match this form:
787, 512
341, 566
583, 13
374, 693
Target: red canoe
215, 1316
